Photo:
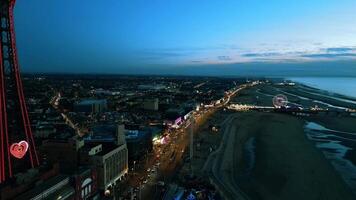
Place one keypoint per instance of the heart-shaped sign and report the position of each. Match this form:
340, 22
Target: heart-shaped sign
18, 150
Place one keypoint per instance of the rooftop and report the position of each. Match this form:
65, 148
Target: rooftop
91, 101
106, 147
41, 188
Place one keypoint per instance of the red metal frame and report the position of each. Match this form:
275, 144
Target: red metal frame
5, 157
2, 157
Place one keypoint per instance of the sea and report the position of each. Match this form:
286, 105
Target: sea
333, 143
340, 85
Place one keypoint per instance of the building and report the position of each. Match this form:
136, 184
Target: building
111, 162
62, 151
108, 153
86, 184
120, 135
91, 106
44, 130
27, 181
106, 133
78, 186
150, 104
137, 142
58, 187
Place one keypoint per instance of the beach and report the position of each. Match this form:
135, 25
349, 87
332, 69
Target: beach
287, 165
258, 155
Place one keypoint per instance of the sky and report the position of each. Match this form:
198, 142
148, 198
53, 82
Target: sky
186, 36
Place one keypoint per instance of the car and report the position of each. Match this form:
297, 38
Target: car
145, 181
149, 169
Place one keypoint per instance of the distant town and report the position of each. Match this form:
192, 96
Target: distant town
137, 137
177, 100
120, 136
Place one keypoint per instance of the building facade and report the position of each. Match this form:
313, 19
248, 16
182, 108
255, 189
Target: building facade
111, 162
62, 151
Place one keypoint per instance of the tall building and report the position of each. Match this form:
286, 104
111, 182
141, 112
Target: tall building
17, 147
111, 162
109, 155
120, 135
150, 104
91, 106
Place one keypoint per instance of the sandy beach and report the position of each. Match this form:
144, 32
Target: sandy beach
288, 166
283, 163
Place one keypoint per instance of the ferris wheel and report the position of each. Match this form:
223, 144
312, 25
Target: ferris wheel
280, 100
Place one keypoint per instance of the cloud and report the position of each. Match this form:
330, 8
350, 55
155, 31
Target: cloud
329, 55
267, 54
159, 55
232, 54
196, 61
318, 54
339, 49
224, 58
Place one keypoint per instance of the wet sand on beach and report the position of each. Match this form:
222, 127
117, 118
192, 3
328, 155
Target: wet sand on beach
287, 165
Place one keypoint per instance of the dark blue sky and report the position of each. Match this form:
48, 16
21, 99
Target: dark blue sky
182, 36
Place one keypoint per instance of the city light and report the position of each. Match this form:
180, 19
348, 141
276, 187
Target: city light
186, 110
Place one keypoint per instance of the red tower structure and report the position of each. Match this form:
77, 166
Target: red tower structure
17, 147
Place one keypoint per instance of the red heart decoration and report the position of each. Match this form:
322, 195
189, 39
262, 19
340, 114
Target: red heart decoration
18, 150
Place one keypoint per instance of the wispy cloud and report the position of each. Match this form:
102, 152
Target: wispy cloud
160, 55
330, 55
196, 61
224, 58
340, 49
234, 54
267, 54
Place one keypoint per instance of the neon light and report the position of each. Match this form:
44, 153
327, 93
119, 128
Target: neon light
17, 78
18, 150
4, 121
26, 121
2, 173
178, 121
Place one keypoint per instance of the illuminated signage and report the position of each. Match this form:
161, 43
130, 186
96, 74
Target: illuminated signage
18, 150
178, 121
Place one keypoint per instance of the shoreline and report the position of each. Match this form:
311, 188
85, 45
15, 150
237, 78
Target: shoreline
286, 162
284, 167
321, 89
295, 94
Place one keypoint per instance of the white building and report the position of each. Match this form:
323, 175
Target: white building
111, 163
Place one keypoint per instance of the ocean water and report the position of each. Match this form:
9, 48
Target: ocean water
340, 85
334, 145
